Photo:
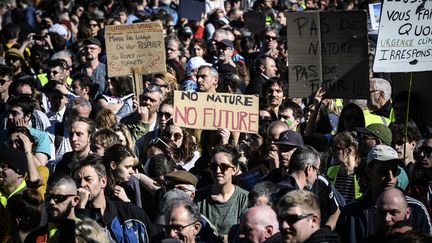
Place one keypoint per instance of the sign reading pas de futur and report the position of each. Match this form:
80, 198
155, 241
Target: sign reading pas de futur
211, 111
328, 49
404, 37
138, 48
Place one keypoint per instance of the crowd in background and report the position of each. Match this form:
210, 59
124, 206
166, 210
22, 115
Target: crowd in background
83, 159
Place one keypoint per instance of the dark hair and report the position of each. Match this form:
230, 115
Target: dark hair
231, 151
93, 161
122, 85
279, 82
23, 130
5, 70
263, 189
26, 208
191, 208
160, 165
188, 146
60, 179
116, 153
25, 103
58, 63
199, 42
84, 81
303, 157
359, 111
289, 104
58, 42
398, 131
90, 123
261, 60
12, 91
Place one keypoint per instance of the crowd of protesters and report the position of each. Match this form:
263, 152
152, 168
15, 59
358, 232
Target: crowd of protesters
82, 159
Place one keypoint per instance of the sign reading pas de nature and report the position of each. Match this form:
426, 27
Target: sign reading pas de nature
138, 48
404, 37
211, 111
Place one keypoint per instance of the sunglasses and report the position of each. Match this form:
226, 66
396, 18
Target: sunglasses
54, 72
3, 81
222, 167
165, 114
176, 227
384, 171
293, 218
93, 25
425, 150
267, 37
57, 198
175, 135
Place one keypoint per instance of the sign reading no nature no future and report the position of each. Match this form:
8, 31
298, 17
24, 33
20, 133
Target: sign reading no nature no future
138, 48
328, 50
404, 37
216, 110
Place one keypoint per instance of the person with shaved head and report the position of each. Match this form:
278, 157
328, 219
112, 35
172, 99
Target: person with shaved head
259, 224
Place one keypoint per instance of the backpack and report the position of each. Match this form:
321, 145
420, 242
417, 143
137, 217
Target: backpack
132, 231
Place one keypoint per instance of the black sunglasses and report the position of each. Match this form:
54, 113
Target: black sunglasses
267, 37
293, 218
425, 150
167, 115
57, 198
3, 81
222, 167
176, 227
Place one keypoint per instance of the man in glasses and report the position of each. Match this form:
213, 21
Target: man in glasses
61, 198
379, 102
299, 219
225, 52
359, 219
421, 186
93, 67
182, 221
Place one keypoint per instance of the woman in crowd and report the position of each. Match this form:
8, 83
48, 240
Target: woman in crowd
223, 203
167, 82
124, 135
351, 117
197, 48
119, 97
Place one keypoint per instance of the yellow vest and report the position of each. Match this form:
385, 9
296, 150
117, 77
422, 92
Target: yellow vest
371, 118
43, 79
3, 198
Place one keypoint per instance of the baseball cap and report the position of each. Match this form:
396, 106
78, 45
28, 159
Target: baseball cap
92, 40
290, 138
59, 29
195, 62
382, 153
15, 159
226, 43
15, 52
181, 177
378, 130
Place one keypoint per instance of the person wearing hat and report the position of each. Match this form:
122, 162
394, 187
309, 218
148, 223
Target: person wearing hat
421, 186
14, 58
182, 180
92, 67
13, 167
192, 66
359, 219
374, 134
225, 51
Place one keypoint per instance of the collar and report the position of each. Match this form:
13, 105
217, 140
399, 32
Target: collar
265, 76
4, 198
384, 110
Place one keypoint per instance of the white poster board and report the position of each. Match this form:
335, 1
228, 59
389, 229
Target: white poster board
405, 37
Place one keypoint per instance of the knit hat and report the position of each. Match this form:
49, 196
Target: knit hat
15, 159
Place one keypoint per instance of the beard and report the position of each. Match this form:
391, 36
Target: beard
60, 215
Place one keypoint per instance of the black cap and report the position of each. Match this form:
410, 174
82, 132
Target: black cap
290, 138
15, 159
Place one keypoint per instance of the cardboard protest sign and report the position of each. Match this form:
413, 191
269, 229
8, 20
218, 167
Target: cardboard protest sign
191, 9
255, 21
216, 110
328, 50
136, 48
404, 37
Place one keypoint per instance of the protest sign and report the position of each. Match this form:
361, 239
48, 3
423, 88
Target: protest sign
216, 110
191, 9
405, 37
255, 21
138, 48
328, 50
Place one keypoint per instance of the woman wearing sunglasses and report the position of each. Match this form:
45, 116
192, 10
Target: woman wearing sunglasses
346, 156
119, 161
223, 203
185, 142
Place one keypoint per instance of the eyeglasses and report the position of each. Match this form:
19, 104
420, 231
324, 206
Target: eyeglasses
384, 171
425, 150
223, 167
317, 169
171, 50
167, 115
54, 72
268, 38
176, 227
375, 90
3, 81
293, 218
58, 198
176, 135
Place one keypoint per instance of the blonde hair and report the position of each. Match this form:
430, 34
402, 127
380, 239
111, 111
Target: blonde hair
169, 80
88, 230
300, 198
105, 118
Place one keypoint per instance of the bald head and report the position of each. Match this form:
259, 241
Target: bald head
275, 129
258, 224
392, 207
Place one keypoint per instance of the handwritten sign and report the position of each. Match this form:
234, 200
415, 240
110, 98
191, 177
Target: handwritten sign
138, 48
328, 50
191, 9
405, 37
216, 110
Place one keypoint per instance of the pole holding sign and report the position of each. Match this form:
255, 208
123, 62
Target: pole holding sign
404, 37
212, 111
135, 48
328, 50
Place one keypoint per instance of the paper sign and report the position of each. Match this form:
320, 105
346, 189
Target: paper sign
255, 21
374, 14
404, 37
136, 47
191, 9
211, 111
328, 50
